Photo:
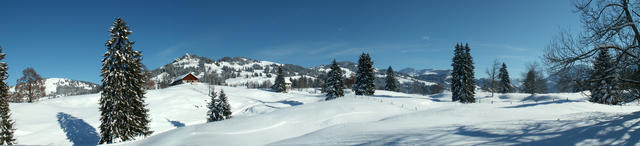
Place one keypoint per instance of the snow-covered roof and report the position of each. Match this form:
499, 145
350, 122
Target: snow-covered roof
287, 81
182, 77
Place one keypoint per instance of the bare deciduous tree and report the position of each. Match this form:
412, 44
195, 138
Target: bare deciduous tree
492, 73
30, 85
609, 25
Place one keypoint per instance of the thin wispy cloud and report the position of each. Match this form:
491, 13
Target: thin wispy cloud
517, 57
176, 48
339, 49
426, 38
505, 46
279, 52
351, 51
300, 49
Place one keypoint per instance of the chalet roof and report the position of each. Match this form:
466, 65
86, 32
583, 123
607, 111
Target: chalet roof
182, 76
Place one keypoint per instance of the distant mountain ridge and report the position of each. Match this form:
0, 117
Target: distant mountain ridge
58, 87
242, 71
436, 75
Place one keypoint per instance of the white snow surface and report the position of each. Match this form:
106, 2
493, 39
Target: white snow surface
303, 118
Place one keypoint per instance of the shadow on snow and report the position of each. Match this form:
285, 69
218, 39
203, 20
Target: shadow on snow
610, 130
542, 103
77, 130
593, 130
176, 124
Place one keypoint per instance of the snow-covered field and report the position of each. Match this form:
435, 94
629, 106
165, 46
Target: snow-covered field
303, 118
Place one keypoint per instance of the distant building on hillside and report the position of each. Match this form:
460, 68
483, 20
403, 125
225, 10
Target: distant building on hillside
185, 79
288, 85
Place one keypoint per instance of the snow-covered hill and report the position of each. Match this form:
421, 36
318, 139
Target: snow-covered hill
57, 87
434, 75
240, 71
74, 119
303, 118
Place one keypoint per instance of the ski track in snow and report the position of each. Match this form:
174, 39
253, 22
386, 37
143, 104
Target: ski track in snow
257, 130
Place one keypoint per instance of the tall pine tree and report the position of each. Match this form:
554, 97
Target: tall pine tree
364, 76
505, 81
334, 85
391, 84
6, 124
456, 73
123, 112
602, 80
279, 85
225, 108
469, 77
463, 80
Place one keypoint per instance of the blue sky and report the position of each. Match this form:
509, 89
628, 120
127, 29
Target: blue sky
66, 38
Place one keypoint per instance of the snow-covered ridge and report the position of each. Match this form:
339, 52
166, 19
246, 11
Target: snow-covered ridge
232, 69
241, 71
424, 72
57, 87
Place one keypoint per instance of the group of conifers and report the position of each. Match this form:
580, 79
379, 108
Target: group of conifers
462, 82
124, 116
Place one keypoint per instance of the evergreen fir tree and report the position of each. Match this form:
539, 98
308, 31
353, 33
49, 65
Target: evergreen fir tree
364, 76
457, 73
6, 124
279, 85
225, 108
534, 81
602, 80
468, 78
463, 80
529, 86
505, 81
334, 84
213, 114
391, 84
122, 107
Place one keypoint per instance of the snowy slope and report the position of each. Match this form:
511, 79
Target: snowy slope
303, 118
400, 119
53, 121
